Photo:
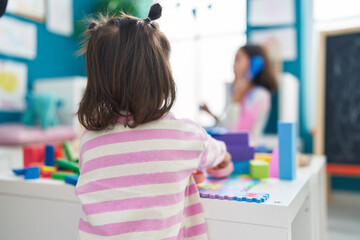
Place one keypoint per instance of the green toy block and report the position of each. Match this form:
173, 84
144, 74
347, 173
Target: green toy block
259, 169
67, 165
61, 175
68, 153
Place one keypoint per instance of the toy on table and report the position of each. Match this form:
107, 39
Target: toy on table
238, 145
39, 160
287, 150
49, 155
274, 164
41, 108
259, 169
32, 173
72, 179
234, 187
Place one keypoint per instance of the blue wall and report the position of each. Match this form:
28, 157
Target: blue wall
55, 55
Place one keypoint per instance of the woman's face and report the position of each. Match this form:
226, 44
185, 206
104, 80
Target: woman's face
241, 64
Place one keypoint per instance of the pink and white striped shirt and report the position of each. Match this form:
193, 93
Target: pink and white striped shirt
137, 183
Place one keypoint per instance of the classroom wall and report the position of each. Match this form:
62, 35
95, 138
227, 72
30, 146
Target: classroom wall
55, 55
298, 67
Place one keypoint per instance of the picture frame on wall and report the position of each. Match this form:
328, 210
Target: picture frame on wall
31, 9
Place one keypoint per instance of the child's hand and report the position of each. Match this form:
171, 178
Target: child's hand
224, 169
224, 163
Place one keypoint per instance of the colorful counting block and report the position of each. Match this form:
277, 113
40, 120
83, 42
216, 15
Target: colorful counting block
19, 171
263, 156
238, 138
240, 153
287, 150
32, 173
48, 169
33, 154
241, 167
68, 153
68, 165
274, 164
72, 179
49, 155
61, 175
259, 169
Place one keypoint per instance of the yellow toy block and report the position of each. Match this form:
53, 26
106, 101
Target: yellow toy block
48, 169
263, 156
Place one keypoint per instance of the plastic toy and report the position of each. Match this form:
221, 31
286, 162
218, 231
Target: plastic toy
274, 164
233, 138
263, 156
50, 169
68, 165
49, 155
68, 153
259, 169
71, 179
221, 173
41, 108
33, 153
287, 150
19, 171
240, 153
32, 173
241, 167
253, 197
60, 175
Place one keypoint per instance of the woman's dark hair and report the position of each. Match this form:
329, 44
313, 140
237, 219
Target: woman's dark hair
128, 70
266, 77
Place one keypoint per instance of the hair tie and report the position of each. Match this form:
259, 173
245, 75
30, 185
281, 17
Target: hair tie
148, 19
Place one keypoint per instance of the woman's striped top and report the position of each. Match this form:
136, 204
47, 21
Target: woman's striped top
137, 183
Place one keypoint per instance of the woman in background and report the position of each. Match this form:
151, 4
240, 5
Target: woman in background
251, 92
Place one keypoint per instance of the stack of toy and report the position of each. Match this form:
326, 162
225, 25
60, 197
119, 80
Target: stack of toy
47, 161
237, 144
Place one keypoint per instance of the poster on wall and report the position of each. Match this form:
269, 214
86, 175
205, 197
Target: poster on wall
32, 9
285, 37
271, 12
13, 83
17, 38
59, 17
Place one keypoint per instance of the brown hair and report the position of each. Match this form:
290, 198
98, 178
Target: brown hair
266, 77
128, 70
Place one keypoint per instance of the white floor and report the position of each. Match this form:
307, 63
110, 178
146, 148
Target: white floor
344, 216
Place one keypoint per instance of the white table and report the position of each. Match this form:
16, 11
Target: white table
48, 209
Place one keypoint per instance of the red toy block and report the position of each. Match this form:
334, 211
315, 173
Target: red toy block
58, 151
33, 154
46, 174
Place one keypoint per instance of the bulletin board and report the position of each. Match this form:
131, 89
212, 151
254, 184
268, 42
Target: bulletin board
338, 112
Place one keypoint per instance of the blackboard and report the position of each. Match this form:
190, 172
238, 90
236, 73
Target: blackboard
341, 120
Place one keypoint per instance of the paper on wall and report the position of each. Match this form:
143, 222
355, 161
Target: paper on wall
271, 12
17, 38
13, 84
33, 9
60, 17
286, 37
